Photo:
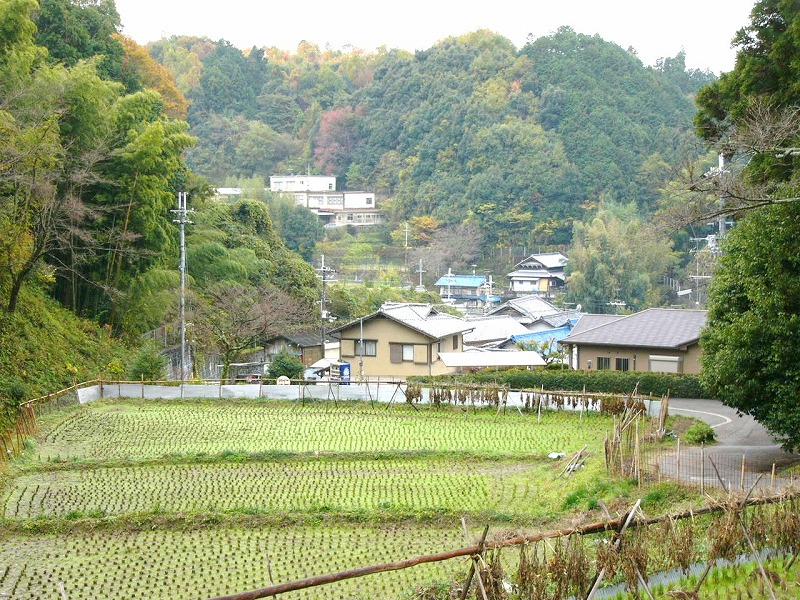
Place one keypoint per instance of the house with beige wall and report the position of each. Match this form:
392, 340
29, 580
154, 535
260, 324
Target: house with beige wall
401, 340
657, 339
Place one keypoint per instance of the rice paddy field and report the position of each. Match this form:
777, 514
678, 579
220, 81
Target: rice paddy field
203, 498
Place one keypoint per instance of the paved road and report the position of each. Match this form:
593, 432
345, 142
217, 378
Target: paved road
738, 436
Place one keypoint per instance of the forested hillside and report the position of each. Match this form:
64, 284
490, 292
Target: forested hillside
92, 145
521, 142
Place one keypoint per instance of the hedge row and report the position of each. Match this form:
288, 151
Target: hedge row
613, 382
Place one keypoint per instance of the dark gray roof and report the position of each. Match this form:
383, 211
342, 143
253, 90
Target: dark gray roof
588, 321
651, 328
305, 339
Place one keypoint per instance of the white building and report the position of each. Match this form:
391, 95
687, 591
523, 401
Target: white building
336, 208
318, 194
301, 183
539, 274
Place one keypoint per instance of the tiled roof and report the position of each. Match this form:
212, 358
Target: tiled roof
532, 307
425, 319
304, 339
419, 317
651, 328
550, 260
497, 327
566, 317
589, 321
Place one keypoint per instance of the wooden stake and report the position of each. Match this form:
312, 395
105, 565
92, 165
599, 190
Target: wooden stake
599, 578
772, 480
702, 468
473, 567
741, 482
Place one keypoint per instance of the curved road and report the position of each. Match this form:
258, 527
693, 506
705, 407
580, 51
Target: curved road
739, 439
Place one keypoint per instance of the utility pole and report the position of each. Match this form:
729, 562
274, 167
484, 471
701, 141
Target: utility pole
182, 213
420, 287
324, 273
721, 219
405, 251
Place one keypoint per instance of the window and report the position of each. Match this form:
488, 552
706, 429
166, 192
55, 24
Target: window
603, 362
370, 348
621, 364
369, 201
401, 353
330, 186
455, 342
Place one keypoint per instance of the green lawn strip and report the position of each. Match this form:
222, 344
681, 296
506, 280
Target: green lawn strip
211, 561
140, 430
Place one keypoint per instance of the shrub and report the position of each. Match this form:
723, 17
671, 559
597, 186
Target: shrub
612, 382
149, 364
12, 394
700, 433
286, 364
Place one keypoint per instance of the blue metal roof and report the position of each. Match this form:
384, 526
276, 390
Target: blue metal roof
557, 334
548, 336
461, 280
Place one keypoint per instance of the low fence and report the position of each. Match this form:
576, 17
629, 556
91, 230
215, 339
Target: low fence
385, 391
712, 467
573, 563
632, 451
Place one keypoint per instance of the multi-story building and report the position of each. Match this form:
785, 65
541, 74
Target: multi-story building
318, 193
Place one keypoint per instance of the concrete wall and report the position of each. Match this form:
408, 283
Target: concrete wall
385, 332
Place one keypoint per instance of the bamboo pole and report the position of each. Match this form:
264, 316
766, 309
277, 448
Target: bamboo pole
473, 568
599, 578
461, 552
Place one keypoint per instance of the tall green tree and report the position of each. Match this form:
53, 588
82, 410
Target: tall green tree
73, 31
54, 124
750, 345
89, 173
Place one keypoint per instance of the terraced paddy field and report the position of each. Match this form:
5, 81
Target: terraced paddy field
200, 498
213, 561
146, 430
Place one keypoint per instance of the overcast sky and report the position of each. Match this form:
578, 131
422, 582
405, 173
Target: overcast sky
703, 28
